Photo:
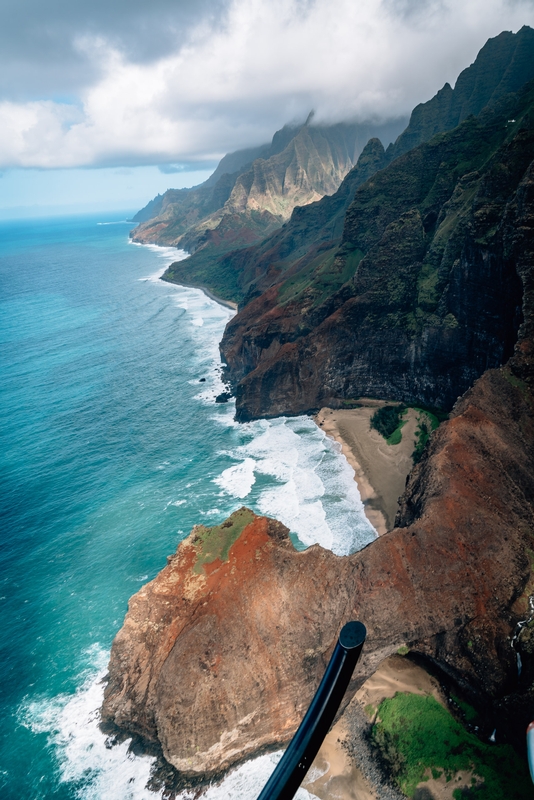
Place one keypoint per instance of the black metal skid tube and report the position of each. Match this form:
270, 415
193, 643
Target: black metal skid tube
304, 746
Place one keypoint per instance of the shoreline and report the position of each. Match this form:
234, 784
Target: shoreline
227, 303
380, 470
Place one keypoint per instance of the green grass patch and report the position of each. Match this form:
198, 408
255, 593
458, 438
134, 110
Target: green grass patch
396, 436
415, 734
387, 420
214, 543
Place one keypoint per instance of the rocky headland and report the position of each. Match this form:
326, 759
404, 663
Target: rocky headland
219, 656
414, 282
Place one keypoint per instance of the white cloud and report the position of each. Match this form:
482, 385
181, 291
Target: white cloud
271, 62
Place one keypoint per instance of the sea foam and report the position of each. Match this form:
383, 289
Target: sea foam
286, 468
168, 254
307, 484
95, 771
92, 770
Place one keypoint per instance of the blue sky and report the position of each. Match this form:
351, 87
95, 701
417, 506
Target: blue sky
38, 192
97, 99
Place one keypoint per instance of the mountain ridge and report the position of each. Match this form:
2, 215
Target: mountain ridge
301, 164
240, 275
425, 299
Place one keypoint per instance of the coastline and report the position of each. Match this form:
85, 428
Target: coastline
227, 303
380, 470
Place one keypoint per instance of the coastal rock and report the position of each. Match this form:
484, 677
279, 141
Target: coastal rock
221, 653
218, 653
423, 294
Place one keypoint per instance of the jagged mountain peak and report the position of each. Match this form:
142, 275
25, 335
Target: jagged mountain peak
503, 65
302, 164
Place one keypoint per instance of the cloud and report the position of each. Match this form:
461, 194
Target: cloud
170, 169
38, 40
239, 71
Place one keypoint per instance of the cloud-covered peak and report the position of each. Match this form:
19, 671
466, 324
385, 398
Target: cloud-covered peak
173, 83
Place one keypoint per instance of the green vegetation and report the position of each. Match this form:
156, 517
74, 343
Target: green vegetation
388, 422
396, 436
197, 270
469, 713
215, 543
403, 650
417, 736
322, 276
517, 383
426, 423
428, 297
302, 280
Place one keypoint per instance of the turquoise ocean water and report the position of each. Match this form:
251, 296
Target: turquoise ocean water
111, 450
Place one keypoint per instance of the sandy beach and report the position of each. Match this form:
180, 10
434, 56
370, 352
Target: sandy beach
346, 767
380, 469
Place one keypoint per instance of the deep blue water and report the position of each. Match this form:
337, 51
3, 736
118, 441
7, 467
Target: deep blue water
111, 450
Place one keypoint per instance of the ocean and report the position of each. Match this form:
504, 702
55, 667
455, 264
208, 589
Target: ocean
112, 448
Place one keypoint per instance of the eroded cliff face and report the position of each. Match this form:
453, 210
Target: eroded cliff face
221, 653
197, 665
301, 165
426, 294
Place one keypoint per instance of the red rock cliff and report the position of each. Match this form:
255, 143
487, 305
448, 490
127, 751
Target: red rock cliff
221, 653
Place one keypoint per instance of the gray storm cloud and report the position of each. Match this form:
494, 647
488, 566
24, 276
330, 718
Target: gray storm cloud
180, 82
39, 52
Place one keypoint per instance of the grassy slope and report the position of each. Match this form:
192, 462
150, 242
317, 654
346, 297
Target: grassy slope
418, 737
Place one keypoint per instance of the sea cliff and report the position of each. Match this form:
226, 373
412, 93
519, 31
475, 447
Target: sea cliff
413, 282
220, 655
420, 298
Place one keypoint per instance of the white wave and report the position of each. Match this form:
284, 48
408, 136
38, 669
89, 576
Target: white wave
168, 254
117, 222
287, 468
94, 771
238, 480
311, 488
247, 781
